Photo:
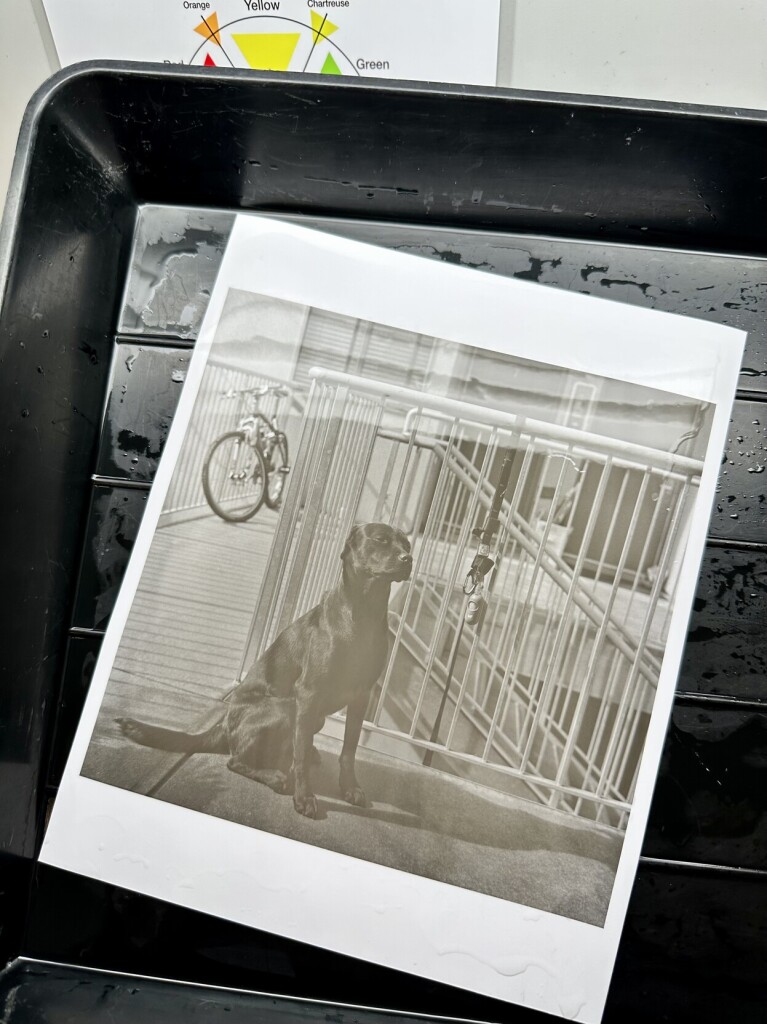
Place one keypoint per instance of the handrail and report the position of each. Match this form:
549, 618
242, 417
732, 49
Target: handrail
456, 409
297, 394
561, 574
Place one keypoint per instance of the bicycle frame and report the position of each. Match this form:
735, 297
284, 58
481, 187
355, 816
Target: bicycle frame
260, 431
257, 425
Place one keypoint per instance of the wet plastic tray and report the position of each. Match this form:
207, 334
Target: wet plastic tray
126, 180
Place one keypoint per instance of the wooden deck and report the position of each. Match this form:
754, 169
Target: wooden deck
182, 644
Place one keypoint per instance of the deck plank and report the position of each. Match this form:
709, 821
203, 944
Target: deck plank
184, 638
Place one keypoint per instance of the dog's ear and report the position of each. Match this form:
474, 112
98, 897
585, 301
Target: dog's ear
348, 545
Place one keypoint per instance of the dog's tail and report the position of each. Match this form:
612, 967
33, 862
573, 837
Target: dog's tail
209, 741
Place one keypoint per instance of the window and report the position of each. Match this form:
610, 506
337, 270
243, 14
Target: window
337, 342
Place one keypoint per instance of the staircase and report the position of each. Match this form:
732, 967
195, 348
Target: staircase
486, 731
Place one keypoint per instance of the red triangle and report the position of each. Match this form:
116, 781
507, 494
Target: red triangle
209, 62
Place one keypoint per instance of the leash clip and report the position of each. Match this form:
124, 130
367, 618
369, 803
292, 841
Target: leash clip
475, 608
471, 582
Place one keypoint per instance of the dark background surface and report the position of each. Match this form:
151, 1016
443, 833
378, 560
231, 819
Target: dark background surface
98, 144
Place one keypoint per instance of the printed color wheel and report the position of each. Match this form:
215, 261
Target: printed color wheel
267, 42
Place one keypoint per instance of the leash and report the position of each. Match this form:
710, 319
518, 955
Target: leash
474, 586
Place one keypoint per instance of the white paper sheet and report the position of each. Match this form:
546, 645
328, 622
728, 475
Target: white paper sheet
433, 40
521, 892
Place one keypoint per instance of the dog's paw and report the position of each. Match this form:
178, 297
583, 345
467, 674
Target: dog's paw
306, 805
280, 783
354, 795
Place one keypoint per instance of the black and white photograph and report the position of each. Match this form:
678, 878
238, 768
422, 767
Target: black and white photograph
403, 612
407, 600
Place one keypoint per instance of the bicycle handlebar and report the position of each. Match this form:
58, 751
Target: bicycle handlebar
278, 390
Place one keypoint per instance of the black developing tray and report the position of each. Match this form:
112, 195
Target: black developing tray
123, 191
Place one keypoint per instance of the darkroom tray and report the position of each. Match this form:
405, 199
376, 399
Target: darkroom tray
123, 192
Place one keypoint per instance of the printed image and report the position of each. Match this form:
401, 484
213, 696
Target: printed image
408, 601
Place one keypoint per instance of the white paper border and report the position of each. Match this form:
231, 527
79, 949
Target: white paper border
366, 910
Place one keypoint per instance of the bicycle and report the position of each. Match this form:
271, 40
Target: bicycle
247, 467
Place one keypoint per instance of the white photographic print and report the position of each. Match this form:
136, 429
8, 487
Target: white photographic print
393, 660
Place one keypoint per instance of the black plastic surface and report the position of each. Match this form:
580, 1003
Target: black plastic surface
450, 173
726, 651
144, 390
693, 950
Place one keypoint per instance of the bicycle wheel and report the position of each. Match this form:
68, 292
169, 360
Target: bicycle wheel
277, 472
234, 477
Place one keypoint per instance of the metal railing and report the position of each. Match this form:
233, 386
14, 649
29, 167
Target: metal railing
550, 697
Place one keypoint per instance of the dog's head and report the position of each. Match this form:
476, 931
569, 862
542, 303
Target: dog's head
378, 550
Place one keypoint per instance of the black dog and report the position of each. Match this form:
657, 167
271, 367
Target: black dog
328, 659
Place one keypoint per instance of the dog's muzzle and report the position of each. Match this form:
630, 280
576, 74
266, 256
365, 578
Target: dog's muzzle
403, 568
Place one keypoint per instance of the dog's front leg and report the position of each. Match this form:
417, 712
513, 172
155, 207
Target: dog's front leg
355, 715
304, 800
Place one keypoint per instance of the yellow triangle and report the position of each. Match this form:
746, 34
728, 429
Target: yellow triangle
267, 51
209, 28
327, 29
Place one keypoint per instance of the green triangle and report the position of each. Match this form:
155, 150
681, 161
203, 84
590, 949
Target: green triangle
330, 67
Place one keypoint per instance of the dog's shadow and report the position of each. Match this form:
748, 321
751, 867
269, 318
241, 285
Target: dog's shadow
400, 796
330, 801
410, 796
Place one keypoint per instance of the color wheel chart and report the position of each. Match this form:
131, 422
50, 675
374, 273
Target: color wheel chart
271, 43
420, 40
